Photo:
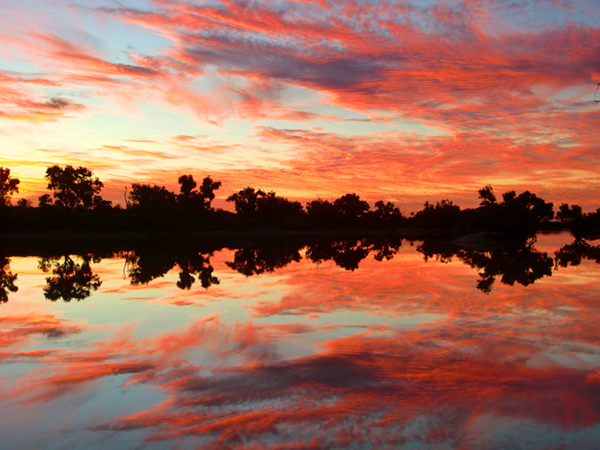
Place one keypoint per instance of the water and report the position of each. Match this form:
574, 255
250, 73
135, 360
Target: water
340, 353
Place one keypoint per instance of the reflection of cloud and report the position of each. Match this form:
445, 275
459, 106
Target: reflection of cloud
517, 356
17, 329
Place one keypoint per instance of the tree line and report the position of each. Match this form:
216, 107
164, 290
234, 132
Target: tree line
74, 201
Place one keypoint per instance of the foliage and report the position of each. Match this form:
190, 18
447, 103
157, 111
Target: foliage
198, 199
73, 187
273, 208
487, 195
321, 212
150, 196
569, 214
444, 214
246, 201
351, 207
8, 186
387, 214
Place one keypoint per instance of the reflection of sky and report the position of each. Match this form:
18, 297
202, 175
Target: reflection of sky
402, 354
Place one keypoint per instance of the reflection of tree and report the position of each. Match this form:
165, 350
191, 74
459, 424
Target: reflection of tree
440, 251
385, 248
524, 265
521, 264
70, 279
573, 254
254, 261
146, 265
7, 280
348, 254
196, 264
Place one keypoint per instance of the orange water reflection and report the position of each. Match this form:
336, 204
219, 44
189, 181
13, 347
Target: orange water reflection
399, 353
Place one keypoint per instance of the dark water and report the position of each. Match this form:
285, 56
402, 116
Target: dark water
236, 350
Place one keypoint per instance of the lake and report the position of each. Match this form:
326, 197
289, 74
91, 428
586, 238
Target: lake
348, 344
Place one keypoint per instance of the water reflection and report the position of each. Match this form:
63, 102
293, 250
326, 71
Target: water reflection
7, 279
150, 263
400, 353
71, 278
512, 262
574, 253
257, 260
518, 262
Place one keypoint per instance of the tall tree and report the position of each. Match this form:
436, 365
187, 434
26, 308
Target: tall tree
73, 187
190, 197
150, 197
8, 186
487, 196
207, 189
246, 201
351, 206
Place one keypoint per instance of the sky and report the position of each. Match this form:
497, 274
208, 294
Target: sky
401, 101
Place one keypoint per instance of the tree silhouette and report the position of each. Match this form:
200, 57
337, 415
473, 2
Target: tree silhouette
275, 209
321, 212
386, 214
190, 197
149, 197
70, 279
73, 187
444, 214
487, 196
8, 186
207, 189
351, 207
246, 201
24, 203
568, 214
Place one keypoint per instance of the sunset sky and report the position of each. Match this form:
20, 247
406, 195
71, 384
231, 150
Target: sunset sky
398, 100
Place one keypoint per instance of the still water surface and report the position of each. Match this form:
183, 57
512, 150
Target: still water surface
222, 352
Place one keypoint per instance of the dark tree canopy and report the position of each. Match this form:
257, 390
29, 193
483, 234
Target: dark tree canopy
569, 214
187, 185
350, 206
274, 208
24, 203
199, 199
72, 187
8, 186
387, 213
207, 189
150, 196
487, 195
246, 201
